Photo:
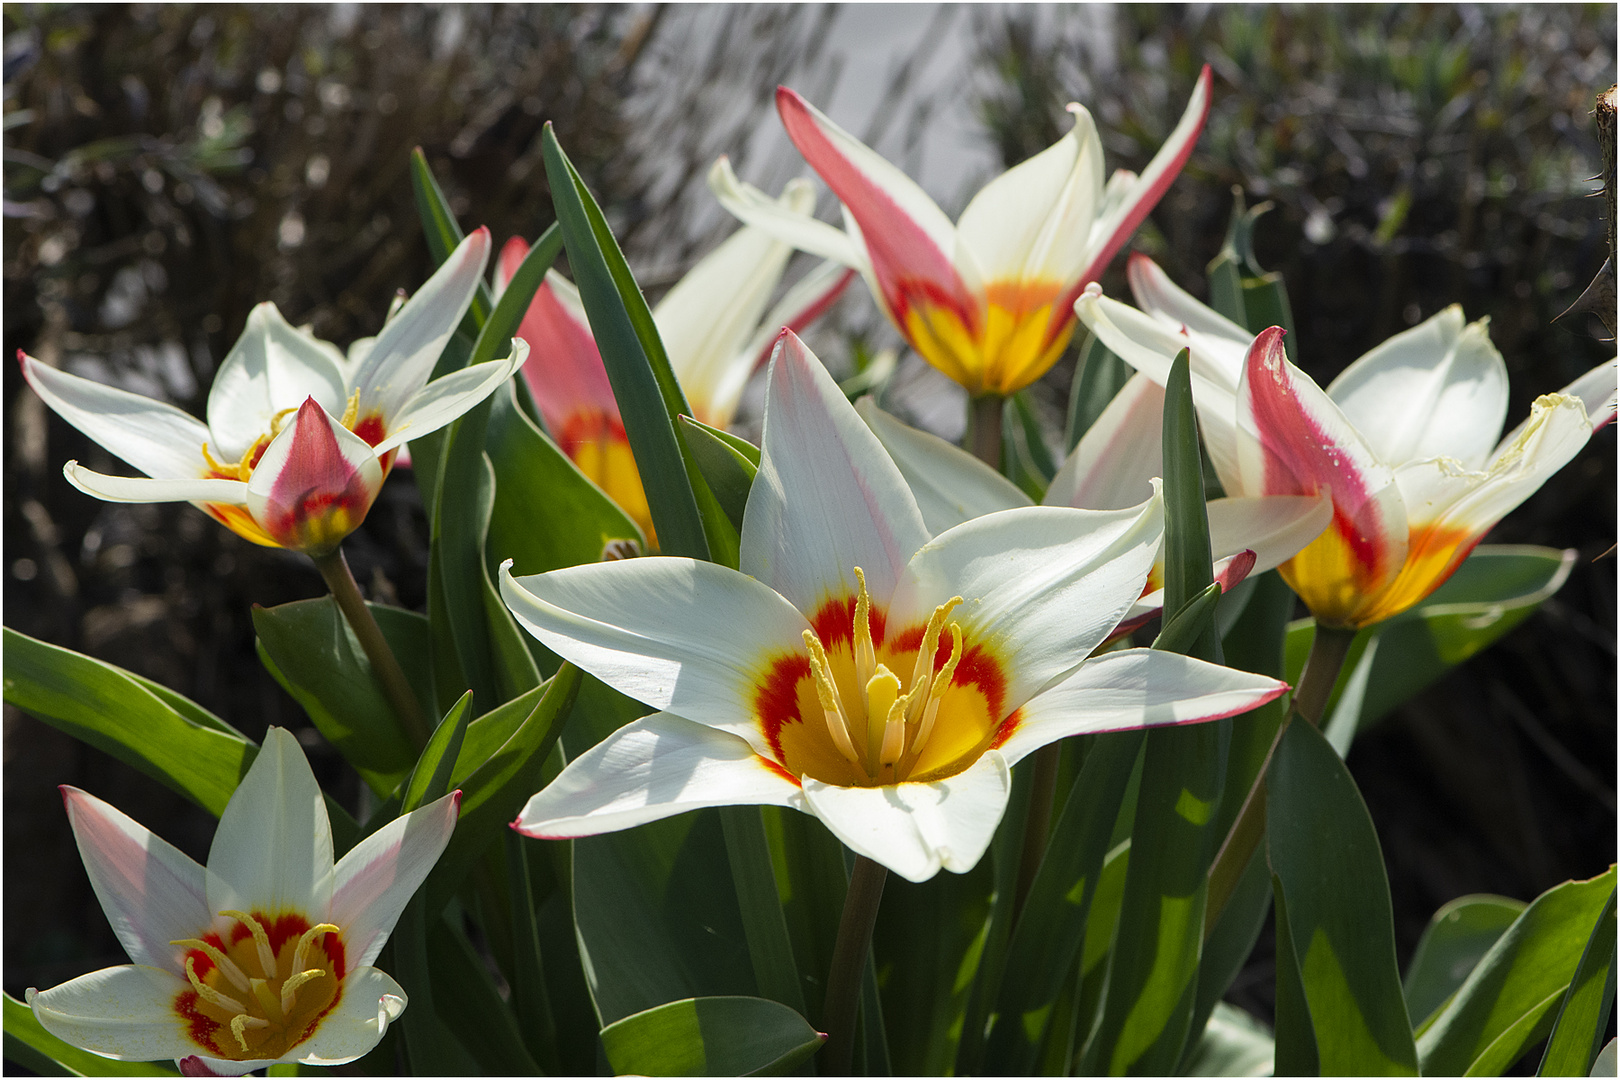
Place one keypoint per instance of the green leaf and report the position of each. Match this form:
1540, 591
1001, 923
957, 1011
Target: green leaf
1239, 288
530, 999
40, 1050
109, 709
1294, 1042
1584, 1015
309, 648
1183, 629
775, 973
496, 334
1028, 461
1495, 589
442, 232
656, 914
808, 864
727, 462
427, 449
1233, 1044
430, 779
1188, 568
644, 385
1334, 911
471, 1007
1052, 928
1509, 1000
1098, 376
547, 513
496, 790
1459, 934
711, 1036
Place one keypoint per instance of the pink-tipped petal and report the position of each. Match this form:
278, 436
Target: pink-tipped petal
564, 370
910, 241
315, 482
827, 498
379, 875
507, 262
153, 893
1109, 234
1293, 440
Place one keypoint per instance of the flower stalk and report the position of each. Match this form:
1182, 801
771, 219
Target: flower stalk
984, 429
390, 676
848, 962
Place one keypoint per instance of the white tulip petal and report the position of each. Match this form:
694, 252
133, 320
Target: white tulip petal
827, 497
1438, 388
676, 634
1596, 389
654, 768
1033, 222
152, 892
373, 882
153, 436
1274, 527
915, 829
404, 353
950, 484
805, 302
1113, 465
1555, 432
273, 849
126, 1013
448, 397
371, 1001
1136, 688
272, 367
140, 489
753, 207
1041, 586
1172, 305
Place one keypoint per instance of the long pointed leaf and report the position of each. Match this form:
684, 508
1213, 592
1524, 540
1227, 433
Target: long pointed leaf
1584, 1015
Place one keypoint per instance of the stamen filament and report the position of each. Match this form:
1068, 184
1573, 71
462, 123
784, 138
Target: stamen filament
301, 953
221, 961
268, 1000
831, 704
936, 694
208, 993
267, 955
925, 654
882, 696
289, 989
240, 1024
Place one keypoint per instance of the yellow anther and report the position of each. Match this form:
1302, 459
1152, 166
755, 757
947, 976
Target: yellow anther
208, 993
936, 693
882, 695
239, 1026
277, 420
289, 989
305, 943
221, 961
351, 411
267, 955
865, 651
925, 656
831, 705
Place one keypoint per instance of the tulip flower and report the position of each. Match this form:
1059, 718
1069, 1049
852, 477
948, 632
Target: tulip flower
1113, 464
1404, 439
299, 437
265, 955
715, 329
988, 300
859, 668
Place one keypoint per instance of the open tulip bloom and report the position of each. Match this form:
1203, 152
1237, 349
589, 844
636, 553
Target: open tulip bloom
988, 300
265, 955
714, 327
1404, 439
299, 437
1114, 463
859, 668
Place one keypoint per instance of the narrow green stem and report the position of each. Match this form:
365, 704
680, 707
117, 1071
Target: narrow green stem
984, 429
1042, 791
396, 688
1329, 648
848, 963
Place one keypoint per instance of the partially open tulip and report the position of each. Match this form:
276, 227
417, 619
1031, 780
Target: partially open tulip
299, 437
715, 329
264, 956
1404, 440
859, 668
988, 300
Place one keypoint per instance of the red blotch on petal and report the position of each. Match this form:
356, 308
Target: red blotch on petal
776, 702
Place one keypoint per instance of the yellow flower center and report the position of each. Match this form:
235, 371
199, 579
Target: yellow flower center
867, 705
263, 991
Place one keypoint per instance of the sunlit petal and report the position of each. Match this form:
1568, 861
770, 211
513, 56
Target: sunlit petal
272, 367
753, 207
951, 485
139, 489
373, 882
1113, 465
448, 397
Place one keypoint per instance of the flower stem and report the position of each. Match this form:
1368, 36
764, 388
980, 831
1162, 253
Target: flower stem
984, 429
1329, 648
396, 688
1042, 790
848, 964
